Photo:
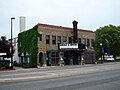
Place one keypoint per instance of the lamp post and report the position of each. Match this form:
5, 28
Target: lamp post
11, 43
101, 51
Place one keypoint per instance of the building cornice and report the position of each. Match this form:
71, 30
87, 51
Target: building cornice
62, 27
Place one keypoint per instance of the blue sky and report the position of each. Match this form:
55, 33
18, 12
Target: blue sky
90, 14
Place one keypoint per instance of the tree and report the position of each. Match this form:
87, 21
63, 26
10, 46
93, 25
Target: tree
5, 47
109, 36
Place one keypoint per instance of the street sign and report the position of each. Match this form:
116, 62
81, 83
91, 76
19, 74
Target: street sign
103, 50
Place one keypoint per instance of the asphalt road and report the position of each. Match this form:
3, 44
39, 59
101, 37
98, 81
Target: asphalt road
106, 80
55, 72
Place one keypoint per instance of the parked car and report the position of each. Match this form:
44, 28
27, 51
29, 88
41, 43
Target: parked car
110, 58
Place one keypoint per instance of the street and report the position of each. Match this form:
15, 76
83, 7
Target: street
68, 79
98, 81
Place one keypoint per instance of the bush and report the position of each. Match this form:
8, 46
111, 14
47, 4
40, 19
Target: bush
26, 65
117, 60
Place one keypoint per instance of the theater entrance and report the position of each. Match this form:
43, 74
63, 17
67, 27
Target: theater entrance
71, 57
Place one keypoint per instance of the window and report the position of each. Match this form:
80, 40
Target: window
70, 39
79, 40
64, 39
59, 39
92, 42
53, 39
54, 58
40, 36
84, 41
88, 42
47, 39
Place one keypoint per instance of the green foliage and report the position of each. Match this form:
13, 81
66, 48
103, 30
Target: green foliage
109, 36
117, 60
28, 43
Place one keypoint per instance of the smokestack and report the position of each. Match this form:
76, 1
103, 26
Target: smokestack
22, 24
75, 32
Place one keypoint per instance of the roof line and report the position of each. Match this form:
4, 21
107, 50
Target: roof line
62, 27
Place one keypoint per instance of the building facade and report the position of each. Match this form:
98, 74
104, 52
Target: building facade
15, 45
52, 38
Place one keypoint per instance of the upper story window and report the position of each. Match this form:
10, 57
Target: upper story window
84, 41
53, 39
70, 39
59, 39
47, 39
64, 39
79, 40
40, 37
92, 42
88, 42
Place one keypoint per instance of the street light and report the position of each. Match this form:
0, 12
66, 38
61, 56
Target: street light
11, 44
101, 51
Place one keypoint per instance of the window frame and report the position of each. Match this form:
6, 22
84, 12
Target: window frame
40, 37
58, 39
47, 39
88, 42
53, 39
64, 39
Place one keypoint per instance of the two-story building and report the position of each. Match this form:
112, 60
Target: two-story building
55, 42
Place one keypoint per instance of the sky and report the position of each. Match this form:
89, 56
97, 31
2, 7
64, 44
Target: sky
90, 14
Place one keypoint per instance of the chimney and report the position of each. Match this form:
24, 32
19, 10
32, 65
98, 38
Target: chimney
22, 24
75, 32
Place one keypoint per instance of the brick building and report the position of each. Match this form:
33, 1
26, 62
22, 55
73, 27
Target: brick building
51, 40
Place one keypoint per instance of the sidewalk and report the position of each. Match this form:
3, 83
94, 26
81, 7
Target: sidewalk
49, 68
63, 67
